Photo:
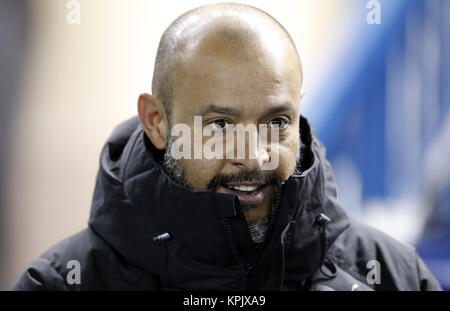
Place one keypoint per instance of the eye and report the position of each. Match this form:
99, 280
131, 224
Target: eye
219, 124
281, 123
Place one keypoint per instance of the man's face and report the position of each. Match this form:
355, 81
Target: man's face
224, 89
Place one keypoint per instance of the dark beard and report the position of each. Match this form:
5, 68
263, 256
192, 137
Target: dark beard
174, 170
173, 167
258, 176
259, 231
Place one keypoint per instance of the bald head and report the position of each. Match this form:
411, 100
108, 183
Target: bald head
229, 32
222, 65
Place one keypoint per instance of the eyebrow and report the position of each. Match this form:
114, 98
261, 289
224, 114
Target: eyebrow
285, 107
221, 110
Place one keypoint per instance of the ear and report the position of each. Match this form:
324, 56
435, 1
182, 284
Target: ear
153, 120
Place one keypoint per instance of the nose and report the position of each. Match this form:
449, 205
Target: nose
255, 156
252, 164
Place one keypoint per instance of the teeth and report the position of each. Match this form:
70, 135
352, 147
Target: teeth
244, 188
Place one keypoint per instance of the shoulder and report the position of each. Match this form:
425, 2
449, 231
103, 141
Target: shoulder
362, 249
82, 261
371, 242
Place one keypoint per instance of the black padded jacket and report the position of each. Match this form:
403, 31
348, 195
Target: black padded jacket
147, 233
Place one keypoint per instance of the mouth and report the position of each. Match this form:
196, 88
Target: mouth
248, 193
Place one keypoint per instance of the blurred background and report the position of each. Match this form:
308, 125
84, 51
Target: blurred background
377, 94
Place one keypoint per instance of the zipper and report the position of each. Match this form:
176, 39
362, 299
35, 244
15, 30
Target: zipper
234, 247
249, 266
275, 211
235, 250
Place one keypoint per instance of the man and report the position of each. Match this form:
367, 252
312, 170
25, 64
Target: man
268, 220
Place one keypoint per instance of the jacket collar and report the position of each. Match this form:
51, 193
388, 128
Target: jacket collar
134, 200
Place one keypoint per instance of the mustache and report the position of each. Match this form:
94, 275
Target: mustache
255, 176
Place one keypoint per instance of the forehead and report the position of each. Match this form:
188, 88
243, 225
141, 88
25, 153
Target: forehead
252, 82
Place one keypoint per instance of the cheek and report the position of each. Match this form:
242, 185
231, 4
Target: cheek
287, 156
199, 173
